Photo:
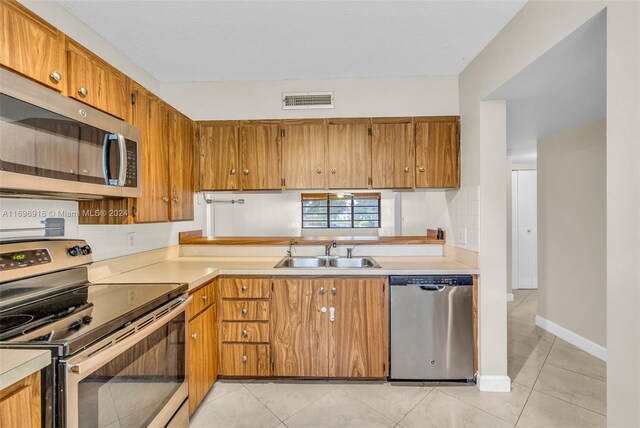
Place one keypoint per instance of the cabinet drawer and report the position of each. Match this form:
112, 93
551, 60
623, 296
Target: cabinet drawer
255, 332
202, 299
244, 288
245, 310
245, 360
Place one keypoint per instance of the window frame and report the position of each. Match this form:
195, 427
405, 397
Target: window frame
328, 197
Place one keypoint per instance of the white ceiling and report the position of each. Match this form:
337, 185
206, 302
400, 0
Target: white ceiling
564, 88
185, 41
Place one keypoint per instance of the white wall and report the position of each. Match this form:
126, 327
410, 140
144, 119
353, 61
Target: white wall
279, 214
572, 222
534, 30
107, 241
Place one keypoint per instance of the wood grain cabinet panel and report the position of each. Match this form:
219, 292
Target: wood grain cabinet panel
392, 156
219, 160
181, 153
248, 332
358, 344
238, 359
303, 156
20, 403
437, 154
245, 288
260, 150
300, 328
245, 310
31, 47
349, 155
96, 83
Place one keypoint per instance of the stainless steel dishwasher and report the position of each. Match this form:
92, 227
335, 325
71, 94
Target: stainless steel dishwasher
431, 327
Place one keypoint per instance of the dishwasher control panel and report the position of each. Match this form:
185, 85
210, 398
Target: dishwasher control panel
431, 280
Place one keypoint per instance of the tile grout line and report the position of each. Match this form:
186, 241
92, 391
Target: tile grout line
483, 410
418, 403
295, 413
260, 401
569, 402
374, 409
578, 373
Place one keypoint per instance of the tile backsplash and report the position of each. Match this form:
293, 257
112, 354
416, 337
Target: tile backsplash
107, 241
463, 206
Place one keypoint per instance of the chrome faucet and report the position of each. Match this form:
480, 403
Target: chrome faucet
349, 253
328, 247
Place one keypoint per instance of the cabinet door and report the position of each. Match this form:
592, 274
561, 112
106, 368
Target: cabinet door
31, 47
299, 328
437, 154
149, 115
210, 343
392, 155
96, 83
349, 155
303, 156
20, 403
358, 344
260, 147
197, 363
219, 157
181, 167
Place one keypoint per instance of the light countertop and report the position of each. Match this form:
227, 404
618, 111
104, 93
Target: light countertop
198, 270
16, 364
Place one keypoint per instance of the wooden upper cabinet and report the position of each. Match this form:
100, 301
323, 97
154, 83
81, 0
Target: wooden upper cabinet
303, 155
359, 342
349, 155
392, 155
181, 153
96, 83
300, 331
31, 47
260, 153
438, 153
149, 114
219, 160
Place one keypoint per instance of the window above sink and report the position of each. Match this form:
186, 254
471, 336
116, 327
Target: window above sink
340, 210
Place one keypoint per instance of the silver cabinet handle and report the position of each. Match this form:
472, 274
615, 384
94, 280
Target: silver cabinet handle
245, 171
176, 199
332, 314
194, 335
205, 298
334, 290
232, 171
55, 76
244, 312
406, 169
323, 310
244, 289
318, 170
84, 171
333, 170
245, 333
165, 199
421, 168
244, 358
321, 291
83, 91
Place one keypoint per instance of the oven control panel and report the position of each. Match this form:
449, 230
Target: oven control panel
26, 258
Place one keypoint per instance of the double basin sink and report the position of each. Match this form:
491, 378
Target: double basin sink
328, 262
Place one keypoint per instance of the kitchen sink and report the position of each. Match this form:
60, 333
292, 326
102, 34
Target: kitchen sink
328, 262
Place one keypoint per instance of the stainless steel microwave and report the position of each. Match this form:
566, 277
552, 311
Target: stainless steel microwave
55, 147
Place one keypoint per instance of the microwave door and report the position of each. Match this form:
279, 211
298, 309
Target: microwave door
114, 160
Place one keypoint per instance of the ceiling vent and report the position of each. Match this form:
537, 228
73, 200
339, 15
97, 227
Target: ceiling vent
307, 100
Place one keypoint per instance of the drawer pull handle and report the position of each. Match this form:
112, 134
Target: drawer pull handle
244, 333
205, 298
244, 289
334, 290
244, 359
232, 171
244, 312
421, 168
321, 291
194, 335
56, 76
83, 91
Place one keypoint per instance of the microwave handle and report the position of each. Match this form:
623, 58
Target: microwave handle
122, 158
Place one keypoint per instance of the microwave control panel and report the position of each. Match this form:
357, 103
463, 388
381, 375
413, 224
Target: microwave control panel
131, 180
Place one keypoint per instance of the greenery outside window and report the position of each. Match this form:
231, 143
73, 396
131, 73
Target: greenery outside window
340, 210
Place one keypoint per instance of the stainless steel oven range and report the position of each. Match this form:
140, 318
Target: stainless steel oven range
118, 350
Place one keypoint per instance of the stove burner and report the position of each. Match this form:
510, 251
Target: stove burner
9, 322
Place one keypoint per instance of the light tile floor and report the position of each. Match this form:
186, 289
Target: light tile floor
554, 385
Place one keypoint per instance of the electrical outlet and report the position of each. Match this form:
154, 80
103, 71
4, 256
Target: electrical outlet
462, 236
131, 239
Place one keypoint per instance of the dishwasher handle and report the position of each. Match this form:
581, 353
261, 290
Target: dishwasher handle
432, 287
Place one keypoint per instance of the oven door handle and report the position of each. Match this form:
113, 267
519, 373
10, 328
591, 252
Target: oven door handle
110, 347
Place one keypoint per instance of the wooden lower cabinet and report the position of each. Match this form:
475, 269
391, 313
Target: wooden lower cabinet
202, 342
348, 339
240, 359
20, 403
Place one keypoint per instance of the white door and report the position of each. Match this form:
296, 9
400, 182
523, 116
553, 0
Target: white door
526, 230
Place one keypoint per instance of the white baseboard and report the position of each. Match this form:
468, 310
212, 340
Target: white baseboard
576, 340
509, 297
492, 383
